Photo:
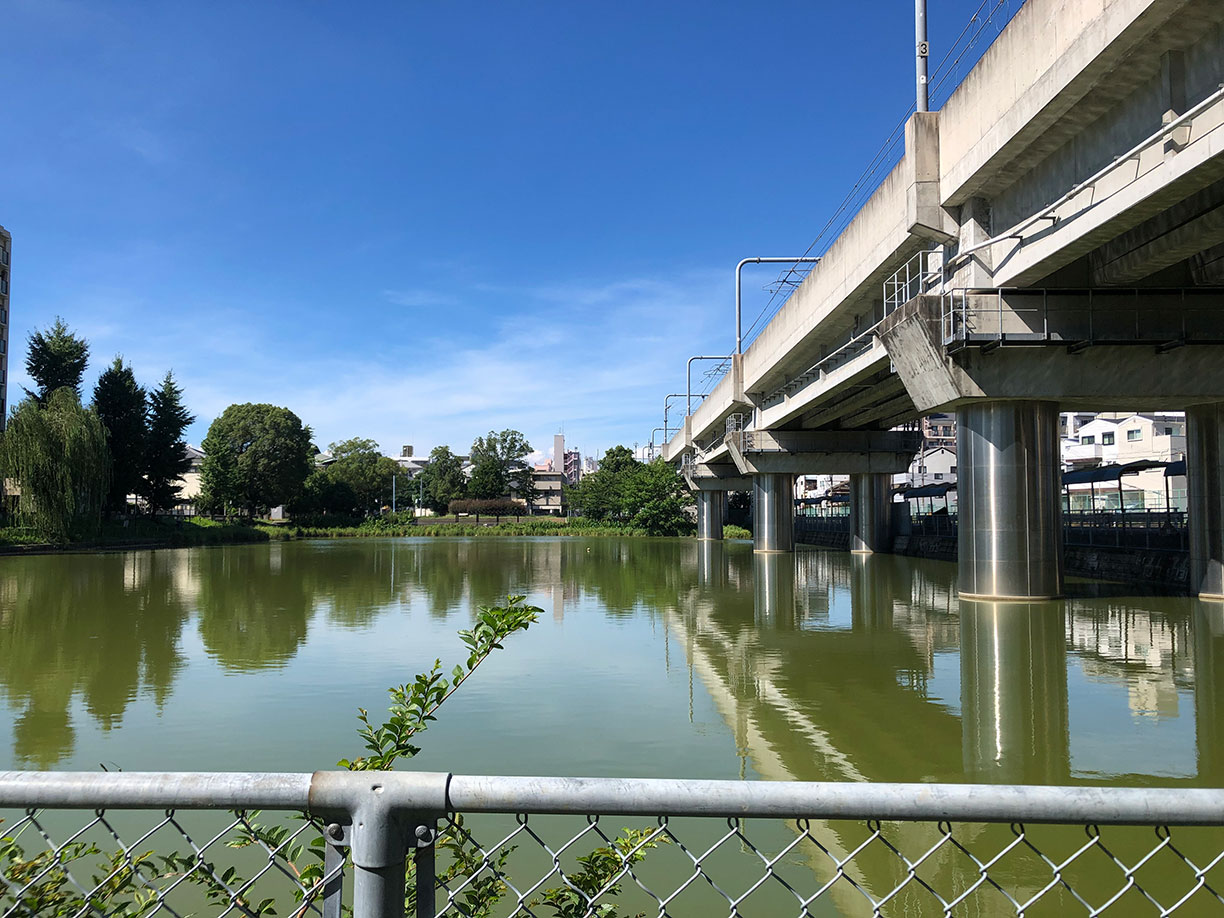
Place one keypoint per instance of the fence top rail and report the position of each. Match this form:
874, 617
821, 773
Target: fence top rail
420, 792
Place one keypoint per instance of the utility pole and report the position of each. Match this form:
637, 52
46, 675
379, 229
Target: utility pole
923, 49
393, 477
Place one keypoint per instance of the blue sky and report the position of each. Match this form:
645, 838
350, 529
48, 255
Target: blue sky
418, 222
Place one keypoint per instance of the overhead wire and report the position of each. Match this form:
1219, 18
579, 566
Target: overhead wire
873, 174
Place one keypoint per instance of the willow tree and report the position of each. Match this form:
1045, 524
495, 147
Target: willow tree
58, 456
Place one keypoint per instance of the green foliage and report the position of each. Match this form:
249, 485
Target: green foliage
166, 460
56, 359
496, 460
254, 456
442, 481
599, 875
413, 704
495, 507
366, 472
731, 531
647, 496
57, 452
122, 407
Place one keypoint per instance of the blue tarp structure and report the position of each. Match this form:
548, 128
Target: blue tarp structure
931, 490
1111, 472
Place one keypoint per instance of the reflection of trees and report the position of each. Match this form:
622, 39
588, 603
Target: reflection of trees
254, 615
101, 626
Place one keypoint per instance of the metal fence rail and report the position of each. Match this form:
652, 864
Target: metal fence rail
562, 846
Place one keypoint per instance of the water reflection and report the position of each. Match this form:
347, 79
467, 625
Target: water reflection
1014, 692
821, 665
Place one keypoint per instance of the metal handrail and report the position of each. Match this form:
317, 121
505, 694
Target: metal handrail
377, 819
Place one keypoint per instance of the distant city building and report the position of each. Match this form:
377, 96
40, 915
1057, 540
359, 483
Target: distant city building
412, 465
548, 483
590, 465
573, 466
939, 430
1092, 441
936, 465
6, 250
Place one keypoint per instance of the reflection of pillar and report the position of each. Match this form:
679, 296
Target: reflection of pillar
1208, 683
1014, 693
1205, 484
870, 513
774, 590
711, 564
711, 508
871, 593
773, 512
556, 555
1010, 544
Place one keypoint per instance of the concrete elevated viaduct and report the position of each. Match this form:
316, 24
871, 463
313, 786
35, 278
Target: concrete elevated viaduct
1052, 238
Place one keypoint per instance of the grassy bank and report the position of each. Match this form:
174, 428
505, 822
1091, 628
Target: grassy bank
143, 533
193, 531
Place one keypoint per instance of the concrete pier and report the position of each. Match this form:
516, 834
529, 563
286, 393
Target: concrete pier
1205, 484
1010, 544
870, 513
773, 512
711, 508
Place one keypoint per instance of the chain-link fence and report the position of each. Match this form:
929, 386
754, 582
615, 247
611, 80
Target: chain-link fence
384, 844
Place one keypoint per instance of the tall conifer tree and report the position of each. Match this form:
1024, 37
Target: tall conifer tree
122, 406
166, 459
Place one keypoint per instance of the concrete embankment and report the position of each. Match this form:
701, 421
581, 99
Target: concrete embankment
1136, 565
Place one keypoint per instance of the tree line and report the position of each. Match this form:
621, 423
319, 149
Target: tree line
72, 461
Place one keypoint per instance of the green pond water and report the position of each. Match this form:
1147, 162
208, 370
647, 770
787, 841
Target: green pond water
653, 658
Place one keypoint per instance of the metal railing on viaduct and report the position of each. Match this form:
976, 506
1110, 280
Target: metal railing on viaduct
386, 843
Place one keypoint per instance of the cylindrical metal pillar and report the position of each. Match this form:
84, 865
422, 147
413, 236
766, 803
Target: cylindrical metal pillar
1010, 544
870, 513
1205, 484
773, 512
711, 508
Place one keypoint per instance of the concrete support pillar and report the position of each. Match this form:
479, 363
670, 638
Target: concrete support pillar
870, 513
1010, 544
711, 508
1205, 484
773, 512
1014, 712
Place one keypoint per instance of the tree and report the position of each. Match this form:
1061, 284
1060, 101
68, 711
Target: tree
442, 480
57, 453
322, 493
56, 360
649, 496
122, 407
617, 460
655, 496
495, 459
366, 471
166, 459
255, 456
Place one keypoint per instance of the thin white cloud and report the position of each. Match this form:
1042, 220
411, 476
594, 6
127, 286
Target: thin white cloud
414, 298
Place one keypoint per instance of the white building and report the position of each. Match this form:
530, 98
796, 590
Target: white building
932, 466
1121, 439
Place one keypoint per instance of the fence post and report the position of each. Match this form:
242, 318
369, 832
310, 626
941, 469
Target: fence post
425, 831
333, 889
